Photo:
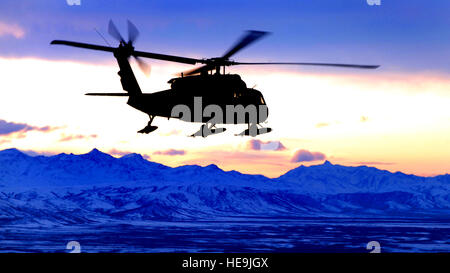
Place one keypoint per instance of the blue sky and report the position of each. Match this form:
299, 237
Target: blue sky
400, 35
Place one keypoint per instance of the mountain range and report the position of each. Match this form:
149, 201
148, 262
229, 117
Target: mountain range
98, 188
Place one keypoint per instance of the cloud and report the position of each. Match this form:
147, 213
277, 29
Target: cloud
38, 153
270, 164
322, 124
171, 133
170, 152
8, 128
258, 145
307, 156
374, 163
75, 137
3, 141
116, 152
231, 157
11, 30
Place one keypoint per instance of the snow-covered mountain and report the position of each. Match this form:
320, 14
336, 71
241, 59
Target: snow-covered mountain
96, 187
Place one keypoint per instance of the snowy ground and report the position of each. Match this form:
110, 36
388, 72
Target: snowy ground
235, 235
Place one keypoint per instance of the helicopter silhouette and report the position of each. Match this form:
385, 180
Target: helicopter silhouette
195, 91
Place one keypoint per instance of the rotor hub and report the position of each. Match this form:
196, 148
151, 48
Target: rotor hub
125, 49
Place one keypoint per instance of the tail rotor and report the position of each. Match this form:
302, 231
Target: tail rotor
133, 34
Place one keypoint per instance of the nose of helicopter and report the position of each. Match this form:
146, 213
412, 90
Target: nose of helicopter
260, 103
258, 95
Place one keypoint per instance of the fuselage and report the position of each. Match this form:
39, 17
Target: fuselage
206, 96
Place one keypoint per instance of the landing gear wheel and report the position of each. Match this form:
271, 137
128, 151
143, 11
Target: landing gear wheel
253, 130
149, 128
206, 130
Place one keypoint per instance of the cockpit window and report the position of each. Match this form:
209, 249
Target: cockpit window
262, 100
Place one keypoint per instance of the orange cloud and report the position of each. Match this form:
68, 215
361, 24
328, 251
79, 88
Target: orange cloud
11, 30
374, 163
76, 137
322, 124
252, 162
174, 132
120, 153
3, 141
170, 152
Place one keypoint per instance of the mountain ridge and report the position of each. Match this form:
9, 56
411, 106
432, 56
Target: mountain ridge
97, 187
97, 153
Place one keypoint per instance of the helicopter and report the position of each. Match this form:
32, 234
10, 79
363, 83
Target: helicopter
205, 94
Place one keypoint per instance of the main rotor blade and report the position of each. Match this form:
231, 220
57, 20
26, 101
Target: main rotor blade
133, 32
82, 45
112, 30
157, 56
169, 58
312, 64
246, 40
109, 94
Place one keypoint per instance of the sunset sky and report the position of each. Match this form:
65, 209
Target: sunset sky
396, 117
